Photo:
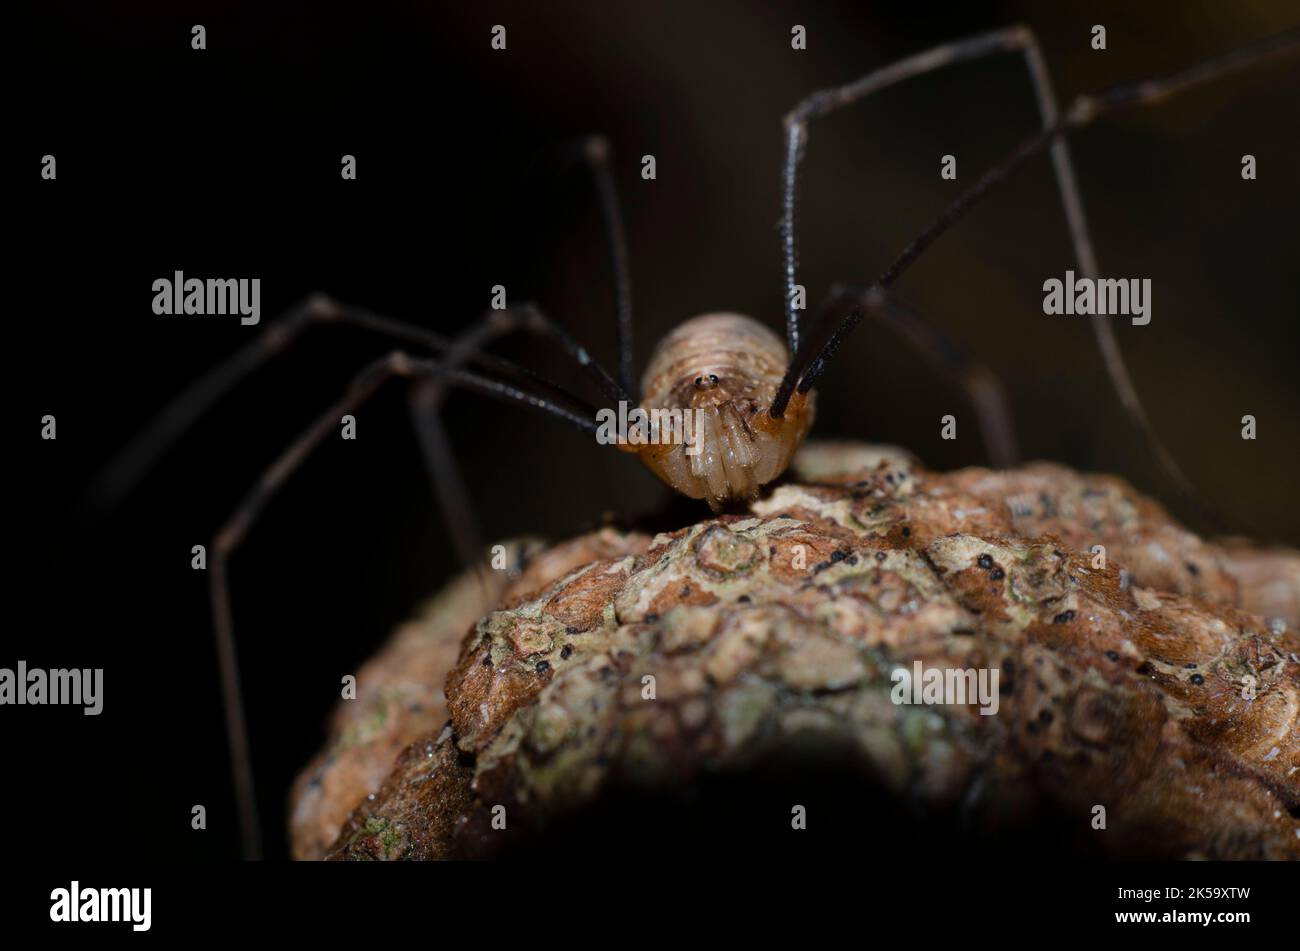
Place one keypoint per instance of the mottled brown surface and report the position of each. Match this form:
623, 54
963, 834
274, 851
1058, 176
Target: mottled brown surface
399, 699
400, 690
1146, 686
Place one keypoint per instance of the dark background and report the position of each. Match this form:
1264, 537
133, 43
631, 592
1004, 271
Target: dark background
226, 163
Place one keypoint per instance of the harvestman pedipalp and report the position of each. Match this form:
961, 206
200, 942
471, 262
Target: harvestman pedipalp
757, 399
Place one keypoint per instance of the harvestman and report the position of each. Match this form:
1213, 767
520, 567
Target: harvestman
757, 401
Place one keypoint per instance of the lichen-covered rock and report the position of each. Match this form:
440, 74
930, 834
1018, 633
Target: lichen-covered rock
400, 690
399, 699
1139, 679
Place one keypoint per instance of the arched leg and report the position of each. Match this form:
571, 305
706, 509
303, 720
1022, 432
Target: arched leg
437, 375
812, 353
138, 456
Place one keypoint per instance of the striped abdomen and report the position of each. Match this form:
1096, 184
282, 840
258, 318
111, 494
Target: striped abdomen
721, 371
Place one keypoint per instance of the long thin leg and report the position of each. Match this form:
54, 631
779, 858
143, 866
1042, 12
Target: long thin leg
494, 325
426, 398
982, 386
1084, 110
826, 101
595, 153
803, 351
598, 154
236, 528
529, 317
138, 456
809, 362
833, 325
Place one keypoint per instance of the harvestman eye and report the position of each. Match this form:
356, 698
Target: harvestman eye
751, 418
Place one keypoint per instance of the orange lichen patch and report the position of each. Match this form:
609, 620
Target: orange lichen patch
580, 602
484, 692
542, 567
795, 555
681, 591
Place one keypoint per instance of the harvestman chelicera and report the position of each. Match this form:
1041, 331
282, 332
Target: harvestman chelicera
754, 390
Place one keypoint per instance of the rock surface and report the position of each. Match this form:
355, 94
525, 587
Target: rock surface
1162, 685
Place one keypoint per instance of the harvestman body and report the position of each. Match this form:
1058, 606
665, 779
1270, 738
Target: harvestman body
754, 390
726, 368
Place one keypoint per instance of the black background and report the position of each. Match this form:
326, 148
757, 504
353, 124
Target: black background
225, 162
